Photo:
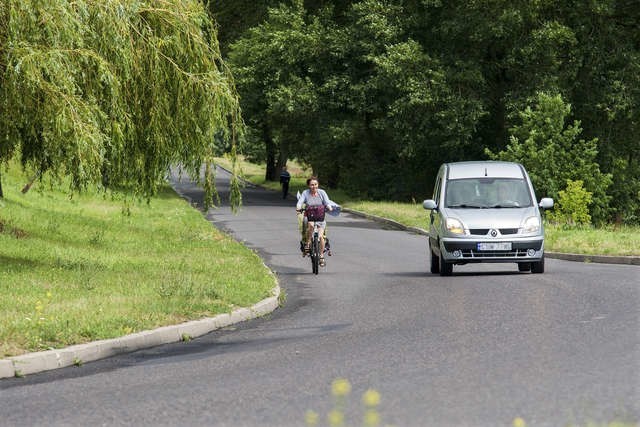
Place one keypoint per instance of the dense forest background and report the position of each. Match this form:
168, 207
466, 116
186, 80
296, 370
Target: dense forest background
376, 94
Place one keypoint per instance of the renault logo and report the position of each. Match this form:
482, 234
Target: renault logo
494, 233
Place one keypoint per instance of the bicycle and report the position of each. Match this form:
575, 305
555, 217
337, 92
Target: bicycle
314, 246
314, 249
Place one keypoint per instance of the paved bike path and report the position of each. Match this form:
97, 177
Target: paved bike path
31, 363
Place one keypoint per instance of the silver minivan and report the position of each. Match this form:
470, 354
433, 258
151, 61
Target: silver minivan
485, 212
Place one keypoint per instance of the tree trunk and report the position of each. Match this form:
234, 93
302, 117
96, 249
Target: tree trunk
28, 185
1, 193
333, 176
271, 172
282, 159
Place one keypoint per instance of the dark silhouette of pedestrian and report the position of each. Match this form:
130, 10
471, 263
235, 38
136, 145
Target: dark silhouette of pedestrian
285, 177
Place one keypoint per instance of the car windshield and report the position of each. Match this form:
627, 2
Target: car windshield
485, 193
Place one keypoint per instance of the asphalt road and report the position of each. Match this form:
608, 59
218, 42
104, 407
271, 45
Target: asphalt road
479, 348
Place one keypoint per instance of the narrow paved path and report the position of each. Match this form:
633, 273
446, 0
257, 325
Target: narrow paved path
476, 349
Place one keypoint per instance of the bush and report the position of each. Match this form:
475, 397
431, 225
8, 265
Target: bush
573, 205
548, 146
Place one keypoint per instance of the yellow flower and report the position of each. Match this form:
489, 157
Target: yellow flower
519, 422
336, 418
340, 387
311, 418
371, 398
371, 419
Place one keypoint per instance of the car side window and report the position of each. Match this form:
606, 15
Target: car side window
436, 190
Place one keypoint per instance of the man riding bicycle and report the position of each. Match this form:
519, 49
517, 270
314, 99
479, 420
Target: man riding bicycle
314, 201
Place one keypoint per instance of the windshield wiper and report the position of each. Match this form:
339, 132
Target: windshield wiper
500, 206
465, 206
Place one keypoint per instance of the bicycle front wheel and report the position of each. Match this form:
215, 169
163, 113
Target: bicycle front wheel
315, 253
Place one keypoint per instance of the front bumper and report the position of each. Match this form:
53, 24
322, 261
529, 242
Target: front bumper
465, 250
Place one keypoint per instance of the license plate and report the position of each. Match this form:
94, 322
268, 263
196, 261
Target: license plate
494, 246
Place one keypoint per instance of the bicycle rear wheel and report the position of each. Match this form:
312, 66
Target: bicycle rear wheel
315, 253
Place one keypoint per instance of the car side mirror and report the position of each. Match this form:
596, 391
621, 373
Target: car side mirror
546, 203
429, 204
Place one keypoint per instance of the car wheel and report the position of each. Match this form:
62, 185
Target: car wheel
538, 267
446, 268
435, 262
524, 266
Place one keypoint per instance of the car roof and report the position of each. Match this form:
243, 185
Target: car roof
492, 169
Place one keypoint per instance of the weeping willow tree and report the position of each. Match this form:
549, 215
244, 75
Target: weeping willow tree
114, 92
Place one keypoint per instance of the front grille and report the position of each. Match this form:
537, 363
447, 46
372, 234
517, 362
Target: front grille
469, 249
479, 231
515, 253
485, 231
508, 231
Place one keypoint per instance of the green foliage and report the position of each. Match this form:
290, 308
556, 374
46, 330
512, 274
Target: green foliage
607, 95
236, 16
112, 92
551, 152
397, 87
277, 95
573, 205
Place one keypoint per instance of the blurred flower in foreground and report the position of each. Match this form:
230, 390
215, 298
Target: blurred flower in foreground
336, 418
371, 418
312, 418
340, 387
371, 398
519, 422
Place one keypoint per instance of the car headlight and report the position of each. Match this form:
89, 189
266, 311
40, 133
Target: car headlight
531, 225
454, 226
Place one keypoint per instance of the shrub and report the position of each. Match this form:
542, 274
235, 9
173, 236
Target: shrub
549, 147
573, 205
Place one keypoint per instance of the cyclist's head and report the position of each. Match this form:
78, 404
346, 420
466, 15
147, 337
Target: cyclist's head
313, 181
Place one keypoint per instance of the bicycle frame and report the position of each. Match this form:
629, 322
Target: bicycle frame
315, 252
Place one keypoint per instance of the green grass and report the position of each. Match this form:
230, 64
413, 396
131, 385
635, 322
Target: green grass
623, 241
95, 266
409, 214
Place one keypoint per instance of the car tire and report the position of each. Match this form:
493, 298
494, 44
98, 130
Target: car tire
524, 266
538, 267
446, 268
435, 262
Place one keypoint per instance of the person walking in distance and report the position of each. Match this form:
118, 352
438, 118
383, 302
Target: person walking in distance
285, 177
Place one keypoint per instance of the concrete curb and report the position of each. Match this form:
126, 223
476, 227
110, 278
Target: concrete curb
604, 259
31, 363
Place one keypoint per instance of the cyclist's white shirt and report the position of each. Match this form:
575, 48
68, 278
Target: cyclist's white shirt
321, 198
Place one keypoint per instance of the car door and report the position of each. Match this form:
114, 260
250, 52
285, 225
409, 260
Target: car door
435, 217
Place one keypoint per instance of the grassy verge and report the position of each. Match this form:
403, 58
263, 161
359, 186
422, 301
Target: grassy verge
95, 266
623, 241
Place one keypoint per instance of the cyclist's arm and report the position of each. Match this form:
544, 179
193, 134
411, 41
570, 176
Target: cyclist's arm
301, 201
326, 201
